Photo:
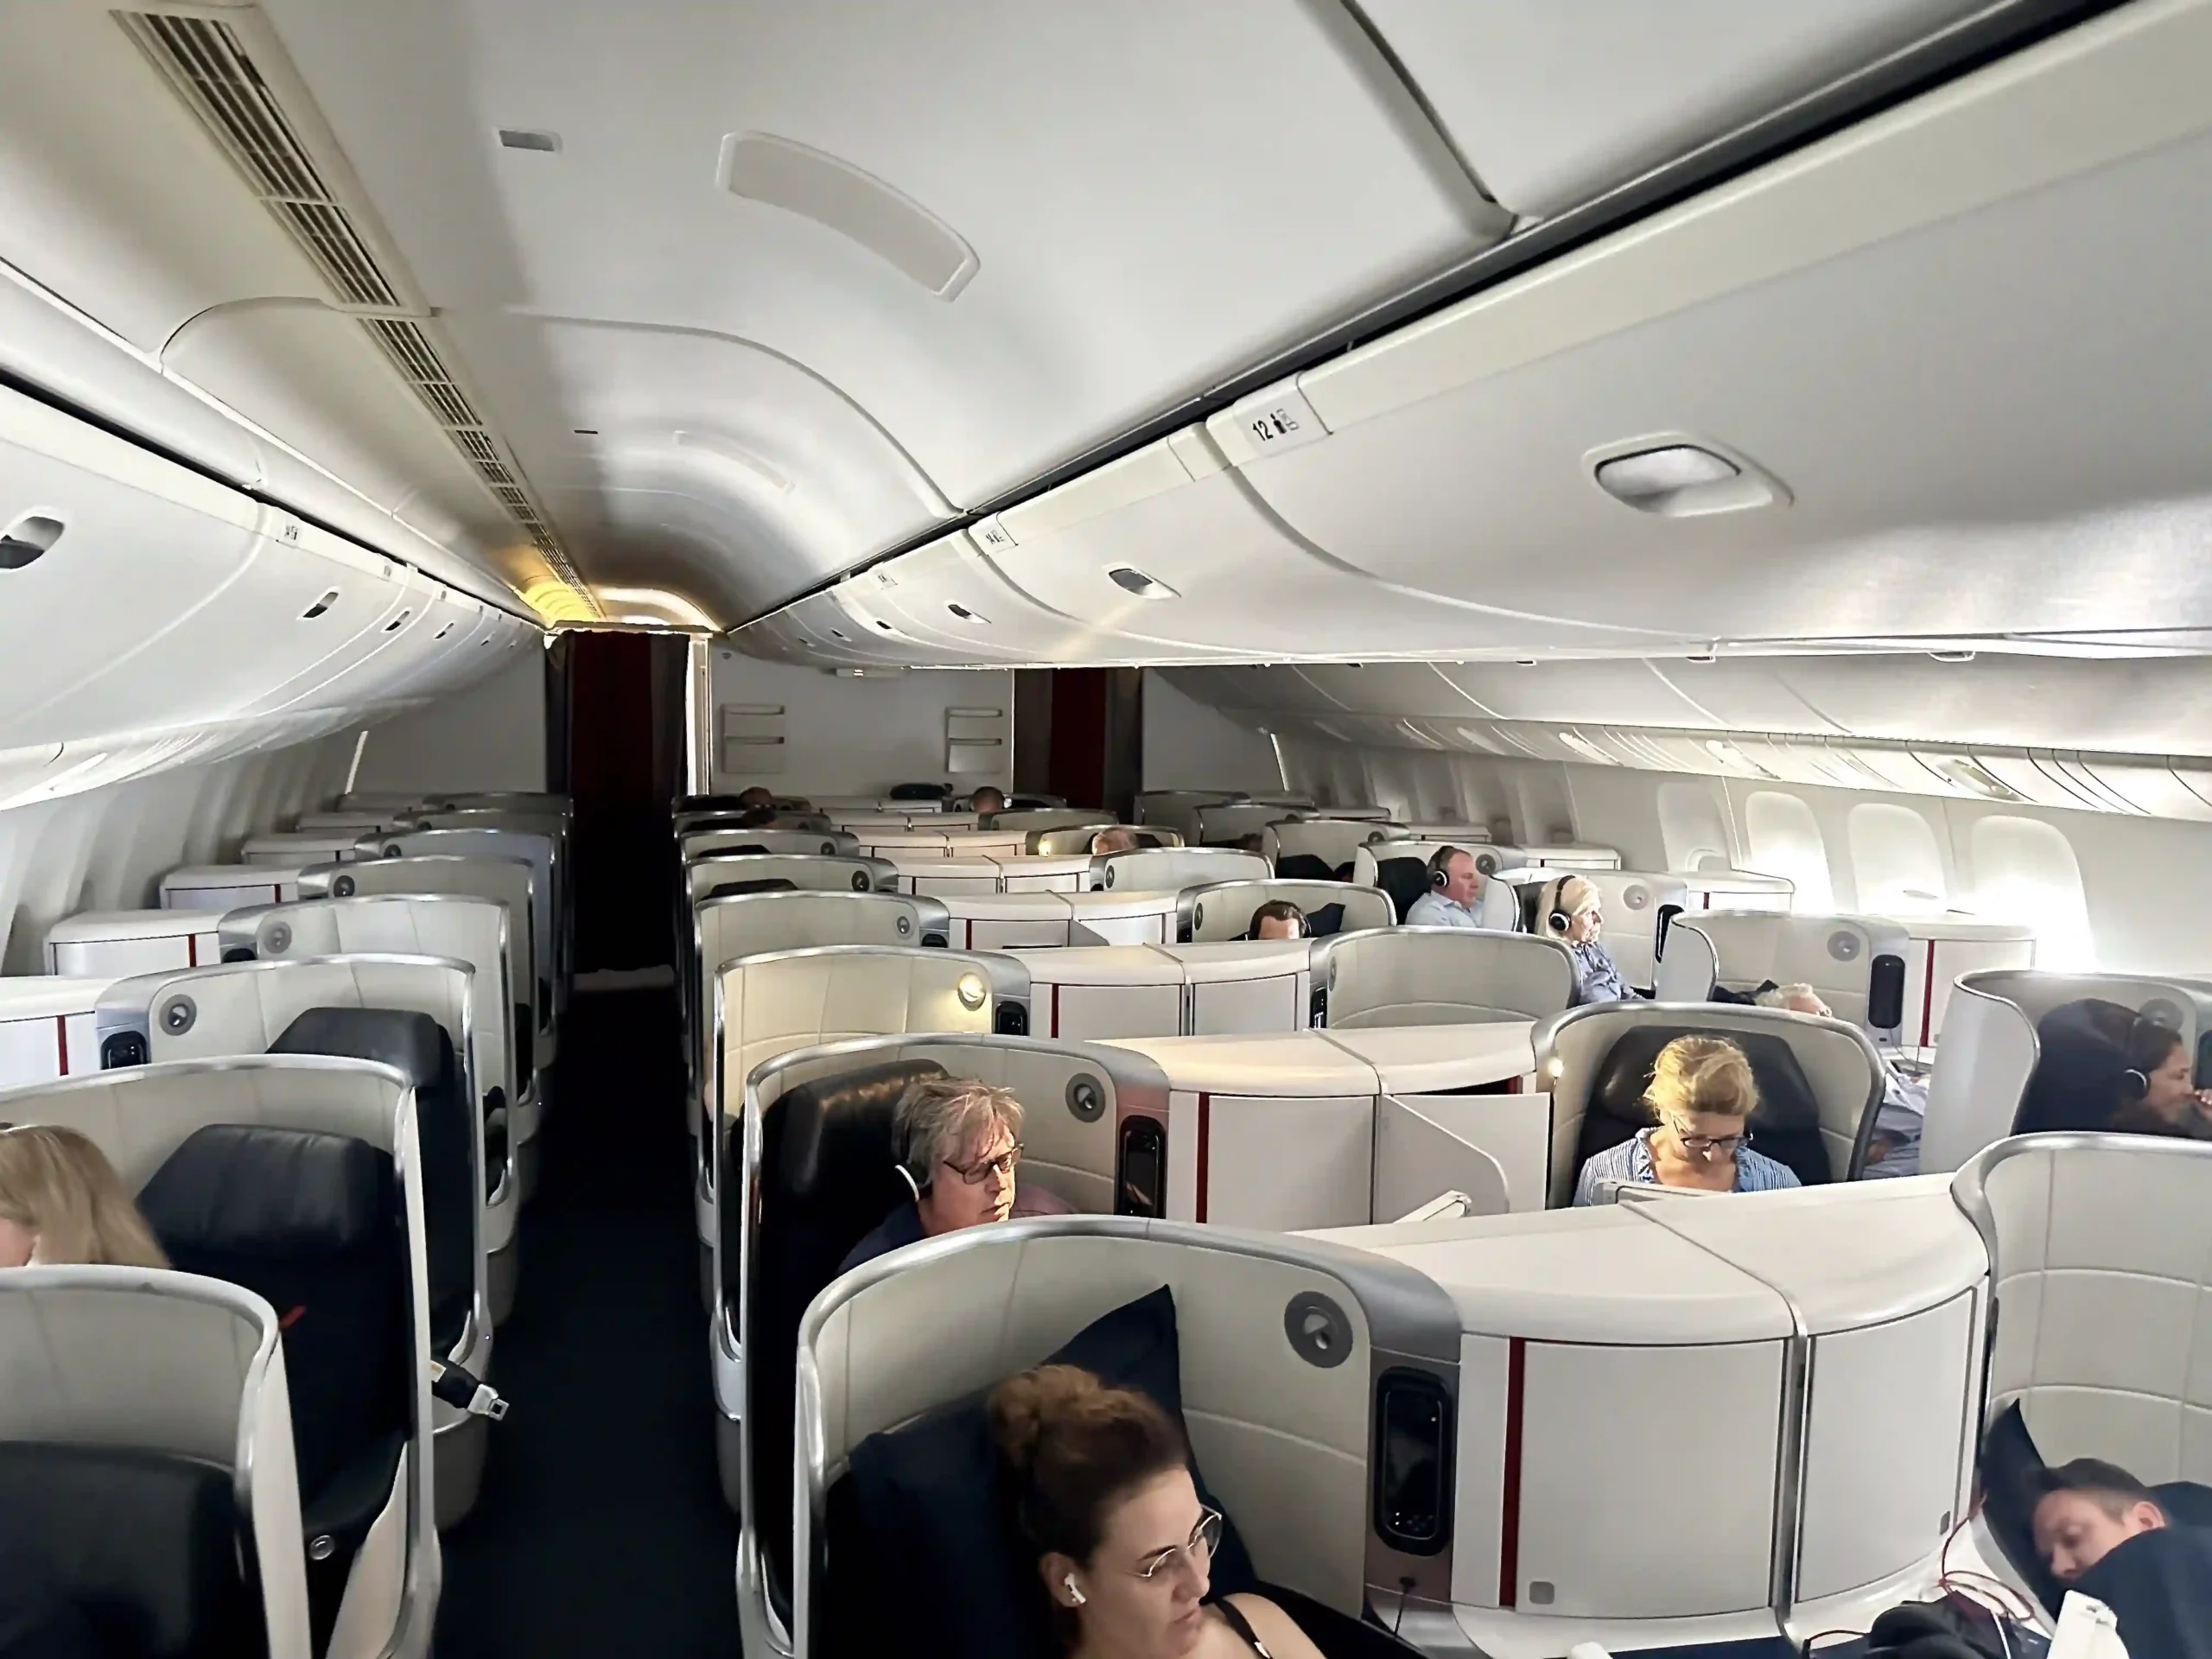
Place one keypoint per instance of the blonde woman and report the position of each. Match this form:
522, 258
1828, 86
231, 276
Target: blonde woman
61, 1201
1570, 911
1702, 1096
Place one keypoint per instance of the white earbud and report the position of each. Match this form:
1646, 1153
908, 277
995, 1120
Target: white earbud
1075, 1590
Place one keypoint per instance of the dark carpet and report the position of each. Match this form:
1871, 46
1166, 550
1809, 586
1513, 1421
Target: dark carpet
601, 1529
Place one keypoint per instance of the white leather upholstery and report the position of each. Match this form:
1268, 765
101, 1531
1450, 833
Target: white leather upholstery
2103, 1250
48, 1027
1099, 992
1335, 841
1222, 910
702, 844
1049, 817
1946, 949
139, 1116
1838, 1062
1170, 869
1420, 976
1224, 826
1558, 855
1178, 808
299, 848
549, 896
1005, 921
1742, 950
108, 944
166, 1363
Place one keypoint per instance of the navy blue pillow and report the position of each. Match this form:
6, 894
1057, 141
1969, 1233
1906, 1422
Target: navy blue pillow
940, 1545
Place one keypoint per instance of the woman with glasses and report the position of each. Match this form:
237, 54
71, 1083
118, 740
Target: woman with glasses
959, 1144
1101, 1482
1702, 1096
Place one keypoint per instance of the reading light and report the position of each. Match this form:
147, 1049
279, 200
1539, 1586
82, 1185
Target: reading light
678, 611
967, 615
518, 138
1980, 780
1130, 579
972, 991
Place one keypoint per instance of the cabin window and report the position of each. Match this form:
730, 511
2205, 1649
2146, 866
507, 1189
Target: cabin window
2024, 871
1895, 862
1783, 839
1691, 825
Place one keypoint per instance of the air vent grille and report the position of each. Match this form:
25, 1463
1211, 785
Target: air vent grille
212, 69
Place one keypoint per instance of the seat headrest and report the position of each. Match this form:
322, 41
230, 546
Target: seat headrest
1404, 879
1325, 921
758, 884
1786, 1099
920, 791
1304, 866
249, 1190
412, 1043
2083, 1060
832, 1127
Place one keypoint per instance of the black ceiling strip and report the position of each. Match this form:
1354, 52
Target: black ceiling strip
1988, 35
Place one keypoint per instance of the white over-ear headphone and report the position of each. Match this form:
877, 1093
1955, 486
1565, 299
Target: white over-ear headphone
1075, 1590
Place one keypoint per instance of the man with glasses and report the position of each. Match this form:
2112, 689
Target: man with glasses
1702, 1096
960, 1143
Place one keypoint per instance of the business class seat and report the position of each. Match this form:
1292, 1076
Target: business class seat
705, 839
410, 1015
1437, 975
768, 1005
362, 821
1820, 1081
1227, 825
1857, 963
549, 891
1178, 808
1333, 843
113, 942
295, 849
1170, 869
1092, 992
2101, 1245
814, 872
534, 1040
299, 1178
1316, 1385
48, 1027
455, 926
1030, 820
1494, 856
1400, 869
1222, 910
815, 1143
1640, 906
1980, 1090
146, 1461
225, 886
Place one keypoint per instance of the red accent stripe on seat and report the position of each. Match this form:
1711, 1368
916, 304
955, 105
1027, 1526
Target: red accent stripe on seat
1205, 1151
1509, 1518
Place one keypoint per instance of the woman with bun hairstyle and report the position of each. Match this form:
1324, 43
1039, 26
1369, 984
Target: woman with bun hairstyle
62, 1203
1101, 1481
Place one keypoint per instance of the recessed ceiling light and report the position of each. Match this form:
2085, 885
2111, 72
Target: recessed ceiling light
1952, 655
967, 615
1130, 579
524, 138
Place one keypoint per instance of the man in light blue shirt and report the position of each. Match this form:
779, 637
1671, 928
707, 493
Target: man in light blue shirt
1455, 891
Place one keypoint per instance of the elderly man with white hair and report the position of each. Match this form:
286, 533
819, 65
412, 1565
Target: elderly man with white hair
1895, 1149
959, 1144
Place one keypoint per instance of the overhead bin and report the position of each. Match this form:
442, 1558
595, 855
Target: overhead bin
1457, 457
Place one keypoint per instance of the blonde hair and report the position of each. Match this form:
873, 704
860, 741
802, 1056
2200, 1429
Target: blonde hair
60, 1186
1117, 839
1573, 894
1702, 1074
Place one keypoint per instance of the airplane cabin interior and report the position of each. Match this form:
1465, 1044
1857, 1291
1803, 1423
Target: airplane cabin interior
1152, 829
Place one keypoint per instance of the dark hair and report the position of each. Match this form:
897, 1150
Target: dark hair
2150, 1046
756, 796
2111, 1486
1278, 910
756, 817
1072, 1446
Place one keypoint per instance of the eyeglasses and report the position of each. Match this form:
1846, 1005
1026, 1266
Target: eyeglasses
977, 1174
1707, 1146
1205, 1538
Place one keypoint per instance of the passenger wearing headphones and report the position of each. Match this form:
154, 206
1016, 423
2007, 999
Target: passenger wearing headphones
1278, 919
961, 1143
1569, 911
1119, 839
1702, 1095
1455, 889
2159, 1091
747, 799
62, 1203
1100, 1480
1895, 1149
987, 799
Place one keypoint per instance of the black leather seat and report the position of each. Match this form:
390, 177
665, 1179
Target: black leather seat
921, 791
112, 1550
2080, 1069
1786, 1128
828, 1179
1404, 879
1304, 866
314, 1223
416, 1046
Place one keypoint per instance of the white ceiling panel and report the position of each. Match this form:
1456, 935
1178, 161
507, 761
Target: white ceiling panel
1554, 105
1156, 194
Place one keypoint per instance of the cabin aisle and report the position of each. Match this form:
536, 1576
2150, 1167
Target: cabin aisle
602, 1529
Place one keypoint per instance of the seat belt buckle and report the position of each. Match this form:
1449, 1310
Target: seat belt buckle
461, 1390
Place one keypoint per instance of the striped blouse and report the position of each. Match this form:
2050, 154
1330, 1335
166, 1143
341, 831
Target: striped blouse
1632, 1161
